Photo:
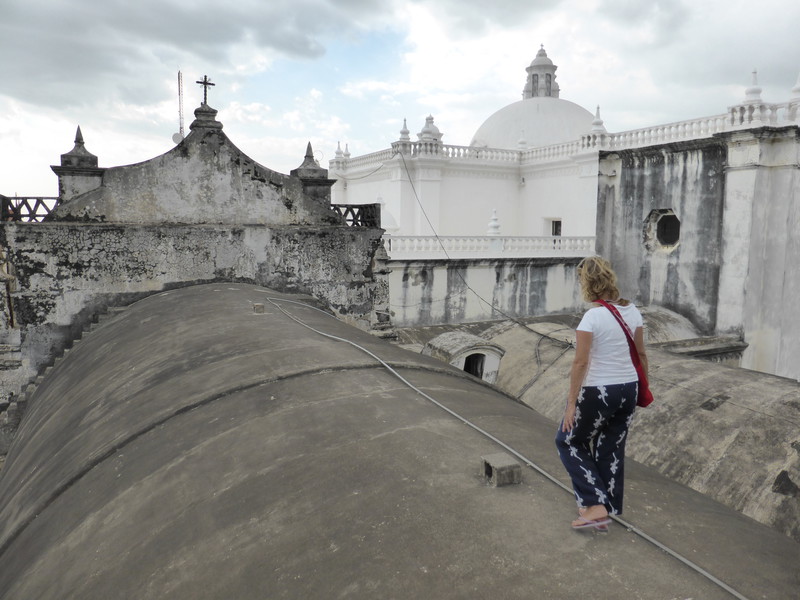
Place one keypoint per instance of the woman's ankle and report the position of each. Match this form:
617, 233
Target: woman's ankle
594, 512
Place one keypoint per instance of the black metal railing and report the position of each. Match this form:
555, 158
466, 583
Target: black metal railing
359, 215
34, 209
28, 209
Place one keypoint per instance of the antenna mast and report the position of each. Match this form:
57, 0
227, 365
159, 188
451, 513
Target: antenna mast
178, 137
180, 101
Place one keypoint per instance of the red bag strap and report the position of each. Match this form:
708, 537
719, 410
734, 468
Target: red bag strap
626, 329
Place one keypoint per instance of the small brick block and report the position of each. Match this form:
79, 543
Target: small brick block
501, 469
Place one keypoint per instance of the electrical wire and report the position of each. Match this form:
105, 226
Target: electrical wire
629, 526
467, 286
458, 272
380, 166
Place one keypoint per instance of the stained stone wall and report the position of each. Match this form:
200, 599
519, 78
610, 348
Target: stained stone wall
201, 212
436, 292
66, 274
687, 179
732, 271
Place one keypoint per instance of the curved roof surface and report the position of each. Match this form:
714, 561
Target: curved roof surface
190, 447
539, 121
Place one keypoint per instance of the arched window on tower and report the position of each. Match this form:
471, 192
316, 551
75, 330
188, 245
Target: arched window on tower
548, 81
535, 85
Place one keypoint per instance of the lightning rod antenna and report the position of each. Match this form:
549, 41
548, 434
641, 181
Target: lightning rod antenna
179, 136
180, 100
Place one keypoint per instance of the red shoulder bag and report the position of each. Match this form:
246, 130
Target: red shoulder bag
645, 396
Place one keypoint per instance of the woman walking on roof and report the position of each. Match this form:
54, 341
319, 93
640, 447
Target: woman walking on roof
602, 398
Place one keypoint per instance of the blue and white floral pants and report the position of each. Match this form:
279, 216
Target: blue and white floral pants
594, 451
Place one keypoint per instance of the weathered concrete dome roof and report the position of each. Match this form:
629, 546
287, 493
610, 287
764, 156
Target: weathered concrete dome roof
193, 447
539, 121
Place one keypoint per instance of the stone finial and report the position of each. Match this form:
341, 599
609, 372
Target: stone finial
339, 153
522, 143
404, 137
315, 179
753, 93
494, 224
78, 172
796, 91
597, 123
309, 169
79, 156
429, 132
205, 118
347, 150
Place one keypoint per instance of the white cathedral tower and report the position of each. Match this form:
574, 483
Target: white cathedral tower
428, 188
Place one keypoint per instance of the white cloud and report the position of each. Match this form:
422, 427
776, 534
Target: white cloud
350, 70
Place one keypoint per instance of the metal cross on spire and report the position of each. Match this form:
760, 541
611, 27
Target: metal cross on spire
205, 83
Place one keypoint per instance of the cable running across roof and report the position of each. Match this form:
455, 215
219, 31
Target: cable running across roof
632, 528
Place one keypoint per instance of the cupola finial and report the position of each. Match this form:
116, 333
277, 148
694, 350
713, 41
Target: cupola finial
541, 80
597, 123
753, 93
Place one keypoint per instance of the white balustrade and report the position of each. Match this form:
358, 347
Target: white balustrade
738, 117
426, 247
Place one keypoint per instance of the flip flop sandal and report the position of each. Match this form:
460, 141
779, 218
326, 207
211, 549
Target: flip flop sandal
598, 524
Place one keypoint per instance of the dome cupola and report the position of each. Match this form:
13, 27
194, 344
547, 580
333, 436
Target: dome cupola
541, 81
430, 132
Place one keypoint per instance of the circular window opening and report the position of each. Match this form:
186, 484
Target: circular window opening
668, 230
662, 230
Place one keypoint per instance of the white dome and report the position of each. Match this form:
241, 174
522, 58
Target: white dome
540, 121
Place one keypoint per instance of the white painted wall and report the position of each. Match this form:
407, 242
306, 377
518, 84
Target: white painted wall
459, 194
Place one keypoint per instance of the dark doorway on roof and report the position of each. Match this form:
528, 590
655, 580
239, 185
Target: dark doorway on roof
473, 364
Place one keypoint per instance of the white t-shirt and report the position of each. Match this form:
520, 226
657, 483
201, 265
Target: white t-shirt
609, 356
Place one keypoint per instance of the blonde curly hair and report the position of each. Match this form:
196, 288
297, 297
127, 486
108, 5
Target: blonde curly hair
597, 279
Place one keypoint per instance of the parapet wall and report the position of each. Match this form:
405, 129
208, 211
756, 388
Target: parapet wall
708, 229
436, 292
64, 274
687, 182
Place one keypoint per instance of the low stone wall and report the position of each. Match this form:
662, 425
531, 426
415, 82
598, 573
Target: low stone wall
64, 274
435, 292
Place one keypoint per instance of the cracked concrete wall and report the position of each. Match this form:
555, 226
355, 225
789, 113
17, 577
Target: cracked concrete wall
737, 196
68, 273
760, 281
687, 178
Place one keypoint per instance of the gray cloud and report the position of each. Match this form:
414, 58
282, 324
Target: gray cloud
63, 54
470, 17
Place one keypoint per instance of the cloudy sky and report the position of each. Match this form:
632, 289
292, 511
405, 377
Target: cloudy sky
292, 71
